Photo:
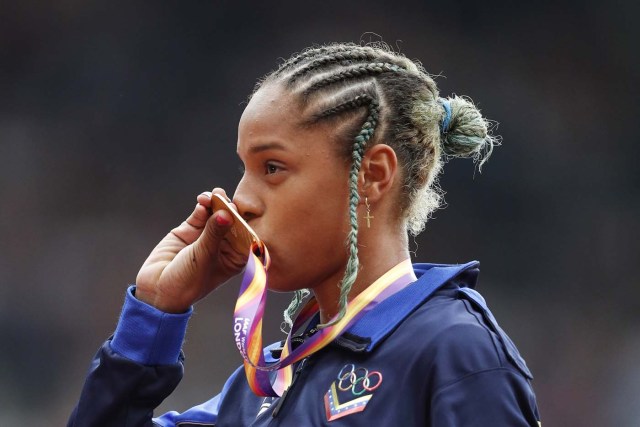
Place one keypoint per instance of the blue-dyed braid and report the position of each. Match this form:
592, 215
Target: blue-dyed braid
298, 298
351, 271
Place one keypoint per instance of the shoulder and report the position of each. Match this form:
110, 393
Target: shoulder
456, 336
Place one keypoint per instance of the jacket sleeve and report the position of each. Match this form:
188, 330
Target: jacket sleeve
205, 414
135, 370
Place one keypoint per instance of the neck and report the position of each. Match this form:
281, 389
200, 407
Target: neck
377, 253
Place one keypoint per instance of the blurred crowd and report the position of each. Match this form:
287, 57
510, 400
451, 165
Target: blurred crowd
115, 115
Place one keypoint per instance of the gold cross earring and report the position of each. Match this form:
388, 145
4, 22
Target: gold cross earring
368, 216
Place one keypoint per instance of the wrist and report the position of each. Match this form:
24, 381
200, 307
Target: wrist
166, 305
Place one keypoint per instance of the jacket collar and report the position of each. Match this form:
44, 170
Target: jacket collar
384, 318
380, 322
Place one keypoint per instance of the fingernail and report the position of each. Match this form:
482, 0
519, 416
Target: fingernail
220, 220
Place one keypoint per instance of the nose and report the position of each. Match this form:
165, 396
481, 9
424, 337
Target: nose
247, 199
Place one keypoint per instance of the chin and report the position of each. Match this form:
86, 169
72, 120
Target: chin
277, 282
278, 286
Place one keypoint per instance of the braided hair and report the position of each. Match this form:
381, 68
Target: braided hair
384, 97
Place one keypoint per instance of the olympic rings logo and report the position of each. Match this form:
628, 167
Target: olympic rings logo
358, 380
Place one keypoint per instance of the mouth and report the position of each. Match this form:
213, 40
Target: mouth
263, 250
260, 237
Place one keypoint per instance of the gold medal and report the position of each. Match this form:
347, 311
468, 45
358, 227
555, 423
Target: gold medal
241, 236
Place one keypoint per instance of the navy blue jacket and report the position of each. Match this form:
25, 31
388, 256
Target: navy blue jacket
430, 355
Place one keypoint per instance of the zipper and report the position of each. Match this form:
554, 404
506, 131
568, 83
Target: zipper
296, 374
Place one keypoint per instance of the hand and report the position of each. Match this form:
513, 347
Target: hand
191, 261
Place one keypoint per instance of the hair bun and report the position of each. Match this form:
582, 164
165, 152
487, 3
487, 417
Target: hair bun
464, 132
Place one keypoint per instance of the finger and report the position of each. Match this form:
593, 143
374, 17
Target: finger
221, 192
192, 227
207, 194
205, 198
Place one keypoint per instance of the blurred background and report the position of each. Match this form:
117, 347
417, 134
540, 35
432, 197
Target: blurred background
115, 115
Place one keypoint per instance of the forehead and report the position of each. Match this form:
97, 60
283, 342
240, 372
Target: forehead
271, 113
269, 100
275, 116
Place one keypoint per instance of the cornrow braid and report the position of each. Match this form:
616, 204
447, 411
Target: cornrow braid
351, 272
355, 71
312, 53
352, 104
330, 59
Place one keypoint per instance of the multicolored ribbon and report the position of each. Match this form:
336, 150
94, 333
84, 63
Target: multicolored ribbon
247, 323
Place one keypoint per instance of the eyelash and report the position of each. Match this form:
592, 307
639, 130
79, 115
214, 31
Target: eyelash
268, 166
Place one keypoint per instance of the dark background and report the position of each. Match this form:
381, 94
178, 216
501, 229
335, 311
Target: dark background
115, 115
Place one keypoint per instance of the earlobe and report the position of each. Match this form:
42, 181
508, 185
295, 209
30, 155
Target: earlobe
378, 171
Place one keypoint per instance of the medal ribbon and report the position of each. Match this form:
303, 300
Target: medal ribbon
249, 311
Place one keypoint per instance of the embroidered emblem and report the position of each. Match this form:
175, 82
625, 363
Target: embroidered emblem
351, 391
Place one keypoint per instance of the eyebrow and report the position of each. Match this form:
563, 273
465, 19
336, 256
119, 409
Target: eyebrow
267, 146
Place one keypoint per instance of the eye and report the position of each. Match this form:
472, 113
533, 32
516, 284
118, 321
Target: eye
271, 168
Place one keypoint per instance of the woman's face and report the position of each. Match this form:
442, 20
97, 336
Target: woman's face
294, 191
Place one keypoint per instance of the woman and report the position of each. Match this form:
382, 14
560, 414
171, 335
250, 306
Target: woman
341, 144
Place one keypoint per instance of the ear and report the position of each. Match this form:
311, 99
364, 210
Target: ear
378, 172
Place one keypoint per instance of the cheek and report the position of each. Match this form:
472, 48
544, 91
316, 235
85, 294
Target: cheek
310, 240
320, 197
314, 225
